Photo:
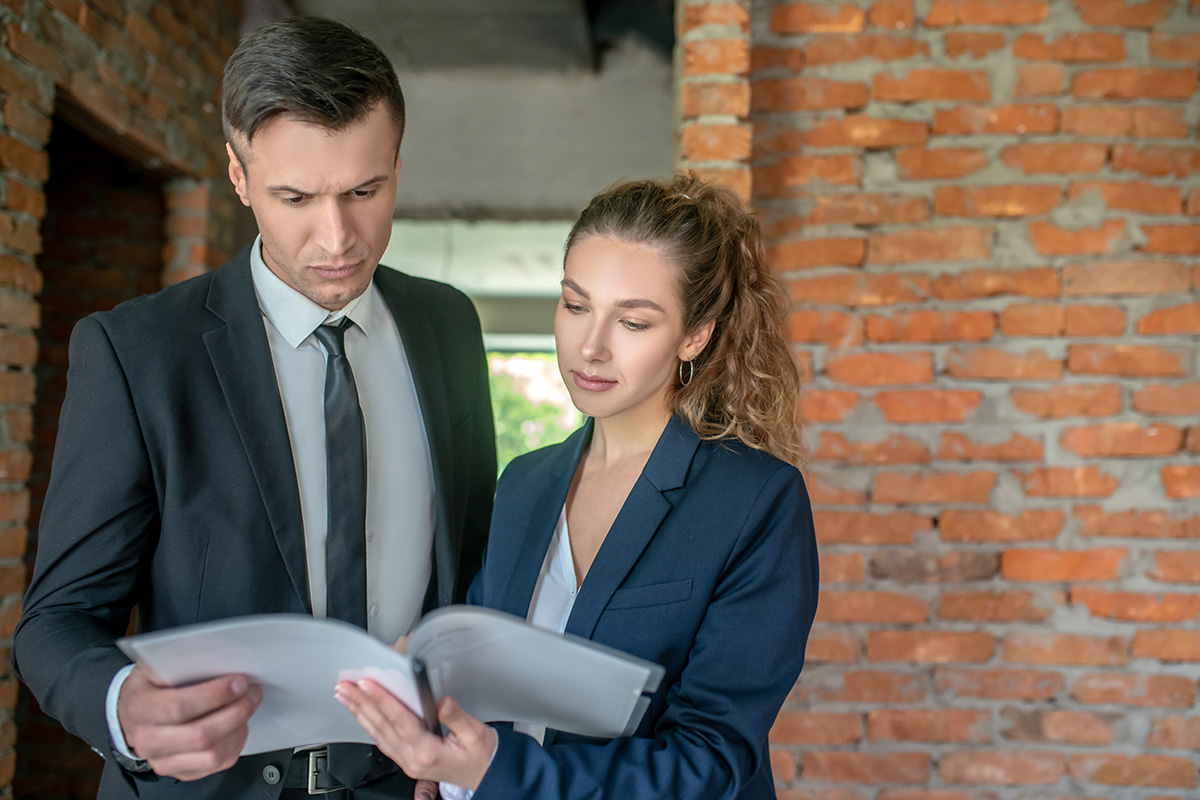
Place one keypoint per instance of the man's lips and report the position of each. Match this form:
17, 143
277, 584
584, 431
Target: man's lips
591, 383
335, 270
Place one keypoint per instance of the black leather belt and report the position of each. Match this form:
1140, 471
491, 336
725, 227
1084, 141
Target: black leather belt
309, 771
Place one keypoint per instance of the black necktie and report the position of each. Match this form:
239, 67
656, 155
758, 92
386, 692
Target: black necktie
346, 477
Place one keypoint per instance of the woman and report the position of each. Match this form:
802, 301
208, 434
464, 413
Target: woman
672, 525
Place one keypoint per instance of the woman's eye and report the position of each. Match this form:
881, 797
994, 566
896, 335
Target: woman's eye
636, 326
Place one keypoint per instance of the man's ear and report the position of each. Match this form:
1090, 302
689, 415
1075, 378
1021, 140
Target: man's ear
695, 342
237, 175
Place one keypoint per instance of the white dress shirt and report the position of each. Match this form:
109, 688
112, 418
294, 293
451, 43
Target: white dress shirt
400, 505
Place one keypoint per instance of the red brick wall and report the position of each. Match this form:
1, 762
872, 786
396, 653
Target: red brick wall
986, 214
142, 79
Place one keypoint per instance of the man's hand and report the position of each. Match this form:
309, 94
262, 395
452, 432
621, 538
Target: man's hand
186, 733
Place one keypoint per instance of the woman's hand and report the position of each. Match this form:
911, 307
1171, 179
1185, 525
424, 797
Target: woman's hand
461, 757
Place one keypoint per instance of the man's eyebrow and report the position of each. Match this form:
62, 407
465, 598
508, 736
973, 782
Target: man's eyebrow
283, 188
632, 303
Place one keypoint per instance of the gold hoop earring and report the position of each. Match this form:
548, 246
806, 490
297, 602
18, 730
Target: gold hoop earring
691, 373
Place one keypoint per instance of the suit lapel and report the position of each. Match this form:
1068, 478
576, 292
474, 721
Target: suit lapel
547, 506
640, 517
245, 370
427, 365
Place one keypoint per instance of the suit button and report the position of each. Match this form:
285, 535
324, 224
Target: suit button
271, 774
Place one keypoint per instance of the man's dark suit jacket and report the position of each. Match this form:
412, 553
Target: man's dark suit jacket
173, 488
709, 569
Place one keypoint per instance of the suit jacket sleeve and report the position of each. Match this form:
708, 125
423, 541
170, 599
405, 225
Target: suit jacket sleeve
96, 536
482, 467
744, 660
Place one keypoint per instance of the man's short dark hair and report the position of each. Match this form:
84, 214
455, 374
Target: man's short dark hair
316, 70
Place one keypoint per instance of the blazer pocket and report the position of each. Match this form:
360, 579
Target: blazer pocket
656, 594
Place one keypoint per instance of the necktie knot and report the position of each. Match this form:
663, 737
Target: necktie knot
333, 337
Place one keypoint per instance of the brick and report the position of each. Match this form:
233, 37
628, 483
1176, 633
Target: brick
880, 369
16, 388
1135, 83
807, 94
827, 50
991, 607
862, 686
25, 199
36, 53
931, 326
1059, 727
934, 487
1055, 158
18, 348
1024, 319
723, 99
855, 527
995, 201
975, 45
893, 449
829, 490
764, 58
957, 446
864, 768
716, 57
1171, 239
1175, 732
938, 405
1063, 565
14, 507
1174, 48
32, 162
1139, 196
1000, 768
920, 85
892, 15
1137, 607
1177, 319
952, 243
929, 647
1052, 240
1193, 202
843, 568
822, 405
1067, 482
1064, 649
25, 119
809, 253
926, 725
1110, 278
871, 133
832, 647
986, 363
790, 175
998, 684
1180, 566
1039, 80
980, 283
1157, 161
965, 525
1123, 440
1071, 47
19, 274
1167, 644
1127, 360
921, 164
1181, 482
1134, 523
867, 209
721, 14
809, 728
1171, 772
701, 142
1076, 400
1023, 118
1095, 321
783, 765
1122, 13
944, 13
1150, 691
871, 607
827, 327
1165, 399
910, 566
813, 18
736, 179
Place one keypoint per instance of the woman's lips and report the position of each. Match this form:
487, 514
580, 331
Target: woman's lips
591, 383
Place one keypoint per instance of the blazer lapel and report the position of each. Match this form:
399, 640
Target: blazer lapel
427, 365
640, 517
546, 509
245, 370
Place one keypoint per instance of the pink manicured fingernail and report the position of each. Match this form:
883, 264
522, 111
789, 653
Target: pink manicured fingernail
425, 794
238, 685
365, 688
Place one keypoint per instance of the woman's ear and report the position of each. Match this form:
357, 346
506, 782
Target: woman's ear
695, 342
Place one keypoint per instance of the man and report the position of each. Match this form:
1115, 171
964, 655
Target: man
297, 431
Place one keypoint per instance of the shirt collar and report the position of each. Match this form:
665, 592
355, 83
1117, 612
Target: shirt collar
294, 315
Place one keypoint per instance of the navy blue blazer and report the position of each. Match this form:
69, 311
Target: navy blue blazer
709, 569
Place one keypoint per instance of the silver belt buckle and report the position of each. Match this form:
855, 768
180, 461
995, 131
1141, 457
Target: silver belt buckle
321, 754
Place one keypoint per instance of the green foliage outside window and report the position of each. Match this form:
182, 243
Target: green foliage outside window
523, 424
